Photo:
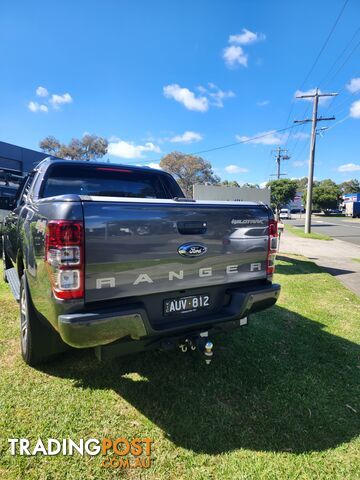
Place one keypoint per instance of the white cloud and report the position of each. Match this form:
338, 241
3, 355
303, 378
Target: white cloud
263, 184
186, 97
300, 135
263, 103
211, 95
235, 55
37, 107
349, 167
300, 163
354, 85
355, 109
187, 137
154, 165
264, 138
246, 37
122, 149
215, 95
58, 100
42, 92
311, 91
218, 96
235, 169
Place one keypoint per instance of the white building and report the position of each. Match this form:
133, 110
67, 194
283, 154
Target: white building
237, 194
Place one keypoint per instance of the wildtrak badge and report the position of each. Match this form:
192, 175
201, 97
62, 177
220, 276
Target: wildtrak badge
238, 221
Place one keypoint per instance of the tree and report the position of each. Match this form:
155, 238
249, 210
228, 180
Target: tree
302, 184
350, 186
251, 185
326, 195
282, 192
229, 183
90, 147
188, 170
50, 145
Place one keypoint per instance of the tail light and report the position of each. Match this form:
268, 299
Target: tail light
272, 247
64, 256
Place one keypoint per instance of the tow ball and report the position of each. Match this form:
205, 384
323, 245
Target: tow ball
208, 352
192, 344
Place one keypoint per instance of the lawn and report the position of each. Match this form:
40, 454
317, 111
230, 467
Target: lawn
281, 399
299, 232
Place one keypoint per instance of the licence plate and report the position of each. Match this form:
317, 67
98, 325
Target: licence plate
186, 304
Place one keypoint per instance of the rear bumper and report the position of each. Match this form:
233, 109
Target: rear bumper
102, 327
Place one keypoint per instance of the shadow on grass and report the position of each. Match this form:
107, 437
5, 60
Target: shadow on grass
292, 266
282, 384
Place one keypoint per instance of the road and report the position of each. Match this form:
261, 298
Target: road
342, 228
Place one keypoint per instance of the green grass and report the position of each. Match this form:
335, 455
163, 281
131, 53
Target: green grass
299, 232
281, 399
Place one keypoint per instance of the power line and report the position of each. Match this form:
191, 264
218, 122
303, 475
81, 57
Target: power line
317, 58
247, 140
240, 142
338, 58
345, 62
301, 130
324, 45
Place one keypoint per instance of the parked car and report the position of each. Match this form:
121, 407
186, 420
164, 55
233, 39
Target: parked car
285, 214
114, 257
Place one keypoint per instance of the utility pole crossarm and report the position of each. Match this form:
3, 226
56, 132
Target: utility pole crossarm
316, 94
303, 121
320, 119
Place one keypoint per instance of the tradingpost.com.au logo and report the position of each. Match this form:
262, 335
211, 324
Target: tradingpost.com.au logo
117, 453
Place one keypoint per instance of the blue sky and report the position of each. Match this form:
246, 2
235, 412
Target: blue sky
159, 76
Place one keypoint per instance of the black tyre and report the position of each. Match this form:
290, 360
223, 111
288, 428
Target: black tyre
39, 342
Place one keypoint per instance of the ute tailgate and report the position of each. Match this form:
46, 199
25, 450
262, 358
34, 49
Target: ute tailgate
132, 247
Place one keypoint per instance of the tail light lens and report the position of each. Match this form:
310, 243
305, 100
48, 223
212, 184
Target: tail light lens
272, 247
64, 256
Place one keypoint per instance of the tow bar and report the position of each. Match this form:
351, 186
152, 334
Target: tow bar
202, 343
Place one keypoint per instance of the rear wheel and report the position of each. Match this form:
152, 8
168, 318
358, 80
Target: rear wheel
38, 341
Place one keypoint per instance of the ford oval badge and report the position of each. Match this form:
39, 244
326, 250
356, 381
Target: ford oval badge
192, 250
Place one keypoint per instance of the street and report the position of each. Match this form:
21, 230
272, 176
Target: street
342, 228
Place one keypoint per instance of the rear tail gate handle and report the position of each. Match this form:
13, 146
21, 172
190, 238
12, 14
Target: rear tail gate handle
192, 227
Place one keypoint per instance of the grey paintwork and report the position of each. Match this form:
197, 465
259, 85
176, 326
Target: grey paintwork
125, 239
142, 244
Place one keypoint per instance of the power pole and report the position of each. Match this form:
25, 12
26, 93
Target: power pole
314, 121
281, 154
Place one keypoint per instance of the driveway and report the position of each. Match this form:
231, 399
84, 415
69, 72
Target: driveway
342, 228
335, 256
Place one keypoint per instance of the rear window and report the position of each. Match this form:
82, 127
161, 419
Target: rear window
106, 181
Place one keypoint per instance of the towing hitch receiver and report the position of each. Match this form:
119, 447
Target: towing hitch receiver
201, 343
